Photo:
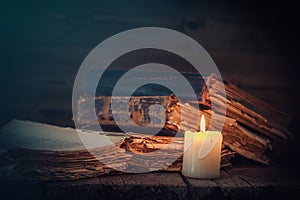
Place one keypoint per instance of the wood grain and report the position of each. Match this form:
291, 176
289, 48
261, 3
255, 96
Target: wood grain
245, 182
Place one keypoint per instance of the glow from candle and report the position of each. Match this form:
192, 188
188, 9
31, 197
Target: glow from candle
202, 124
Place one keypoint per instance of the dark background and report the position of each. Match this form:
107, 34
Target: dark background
254, 44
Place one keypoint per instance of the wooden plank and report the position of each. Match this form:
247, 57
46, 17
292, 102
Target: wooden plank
202, 189
236, 183
271, 183
21, 190
134, 186
154, 186
247, 183
233, 187
225, 187
94, 188
111, 187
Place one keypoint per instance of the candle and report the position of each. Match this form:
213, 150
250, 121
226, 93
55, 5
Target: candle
202, 153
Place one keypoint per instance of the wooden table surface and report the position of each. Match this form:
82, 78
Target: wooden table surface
251, 182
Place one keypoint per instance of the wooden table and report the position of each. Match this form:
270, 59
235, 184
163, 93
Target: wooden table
236, 183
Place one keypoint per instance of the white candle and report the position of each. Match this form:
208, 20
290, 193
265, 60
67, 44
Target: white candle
202, 153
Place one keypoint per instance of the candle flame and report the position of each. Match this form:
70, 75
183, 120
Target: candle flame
202, 124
